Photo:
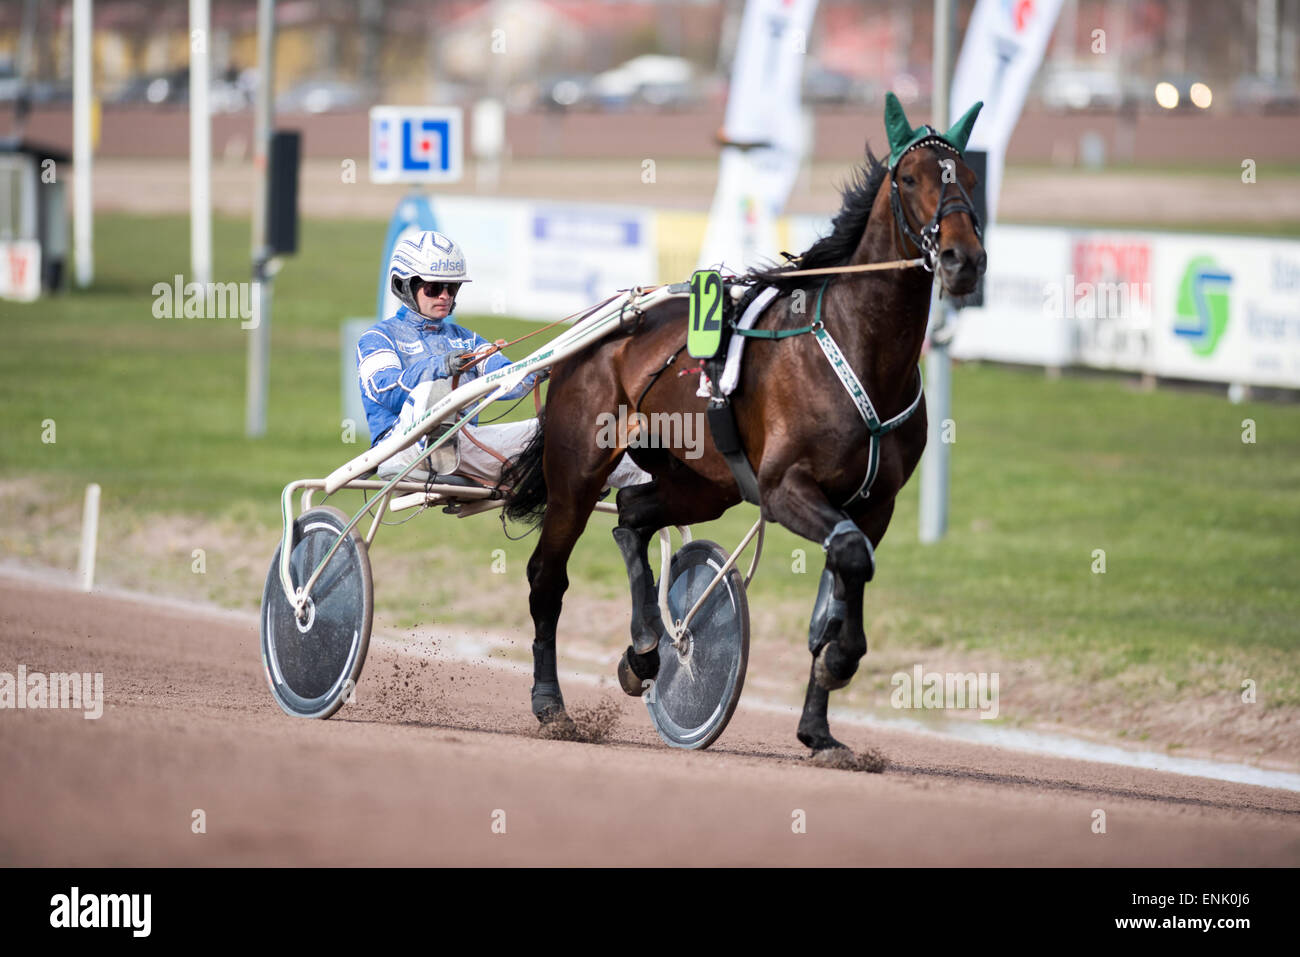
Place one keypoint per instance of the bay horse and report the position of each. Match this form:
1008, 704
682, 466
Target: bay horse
802, 432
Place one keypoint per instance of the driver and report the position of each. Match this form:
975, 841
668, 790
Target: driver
406, 364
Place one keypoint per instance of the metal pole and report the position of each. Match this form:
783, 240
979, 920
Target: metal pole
1287, 36
200, 145
26, 65
82, 148
938, 365
1266, 39
259, 340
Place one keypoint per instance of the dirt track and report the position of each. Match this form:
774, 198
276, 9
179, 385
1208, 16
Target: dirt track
414, 771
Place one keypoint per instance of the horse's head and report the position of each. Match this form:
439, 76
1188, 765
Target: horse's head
930, 193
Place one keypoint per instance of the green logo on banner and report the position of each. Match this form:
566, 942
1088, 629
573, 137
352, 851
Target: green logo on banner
1202, 306
705, 332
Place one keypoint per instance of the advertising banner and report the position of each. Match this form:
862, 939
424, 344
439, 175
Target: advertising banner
1228, 310
1023, 318
20, 269
1107, 295
539, 260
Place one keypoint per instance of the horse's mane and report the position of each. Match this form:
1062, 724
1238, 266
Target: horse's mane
847, 227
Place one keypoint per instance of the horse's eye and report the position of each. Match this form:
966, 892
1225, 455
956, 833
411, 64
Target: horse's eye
908, 181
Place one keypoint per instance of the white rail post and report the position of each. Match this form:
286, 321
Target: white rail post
89, 534
82, 148
259, 339
200, 145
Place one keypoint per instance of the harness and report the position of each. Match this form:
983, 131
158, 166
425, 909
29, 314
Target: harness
720, 415
722, 421
876, 429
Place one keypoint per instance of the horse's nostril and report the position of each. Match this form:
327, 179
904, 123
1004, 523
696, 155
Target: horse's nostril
950, 259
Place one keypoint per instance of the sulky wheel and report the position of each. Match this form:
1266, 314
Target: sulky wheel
313, 664
700, 679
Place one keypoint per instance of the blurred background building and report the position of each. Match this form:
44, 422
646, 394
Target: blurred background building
628, 61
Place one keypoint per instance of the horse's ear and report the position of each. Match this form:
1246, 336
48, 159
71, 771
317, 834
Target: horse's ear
959, 135
897, 128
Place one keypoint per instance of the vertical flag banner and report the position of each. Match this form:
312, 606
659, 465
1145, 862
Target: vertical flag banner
1004, 46
764, 133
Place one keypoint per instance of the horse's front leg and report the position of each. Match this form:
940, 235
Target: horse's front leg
836, 637
640, 662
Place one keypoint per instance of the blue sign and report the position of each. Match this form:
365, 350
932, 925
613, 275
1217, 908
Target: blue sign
416, 144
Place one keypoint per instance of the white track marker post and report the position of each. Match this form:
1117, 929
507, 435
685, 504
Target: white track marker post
82, 148
259, 339
89, 534
200, 145
938, 364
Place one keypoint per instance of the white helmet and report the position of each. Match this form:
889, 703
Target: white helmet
424, 255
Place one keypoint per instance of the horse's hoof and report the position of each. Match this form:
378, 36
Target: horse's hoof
635, 672
627, 680
822, 673
818, 741
547, 702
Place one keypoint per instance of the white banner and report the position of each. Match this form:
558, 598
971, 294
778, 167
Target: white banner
1003, 47
1019, 322
540, 260
20, 269
763, 107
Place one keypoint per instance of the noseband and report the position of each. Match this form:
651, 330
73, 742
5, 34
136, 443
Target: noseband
927, 240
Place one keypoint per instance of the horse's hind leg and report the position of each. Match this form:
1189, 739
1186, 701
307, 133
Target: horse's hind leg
681, 499
547, 582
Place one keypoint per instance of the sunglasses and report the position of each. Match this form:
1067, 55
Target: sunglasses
435, 289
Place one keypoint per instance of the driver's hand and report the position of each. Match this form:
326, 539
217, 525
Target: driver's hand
458, 362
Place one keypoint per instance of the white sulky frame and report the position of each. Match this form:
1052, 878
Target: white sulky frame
473, 397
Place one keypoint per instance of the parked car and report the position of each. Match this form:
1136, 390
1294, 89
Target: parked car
831, 87
320, 96
1183, 93
1081, 89
563, 91
647, 80
154, 89
1266, 95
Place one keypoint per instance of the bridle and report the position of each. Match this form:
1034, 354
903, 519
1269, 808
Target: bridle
927, 240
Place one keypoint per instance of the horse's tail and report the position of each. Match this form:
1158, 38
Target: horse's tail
526, 500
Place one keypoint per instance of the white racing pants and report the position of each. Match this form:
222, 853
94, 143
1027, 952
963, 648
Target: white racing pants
506, 438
